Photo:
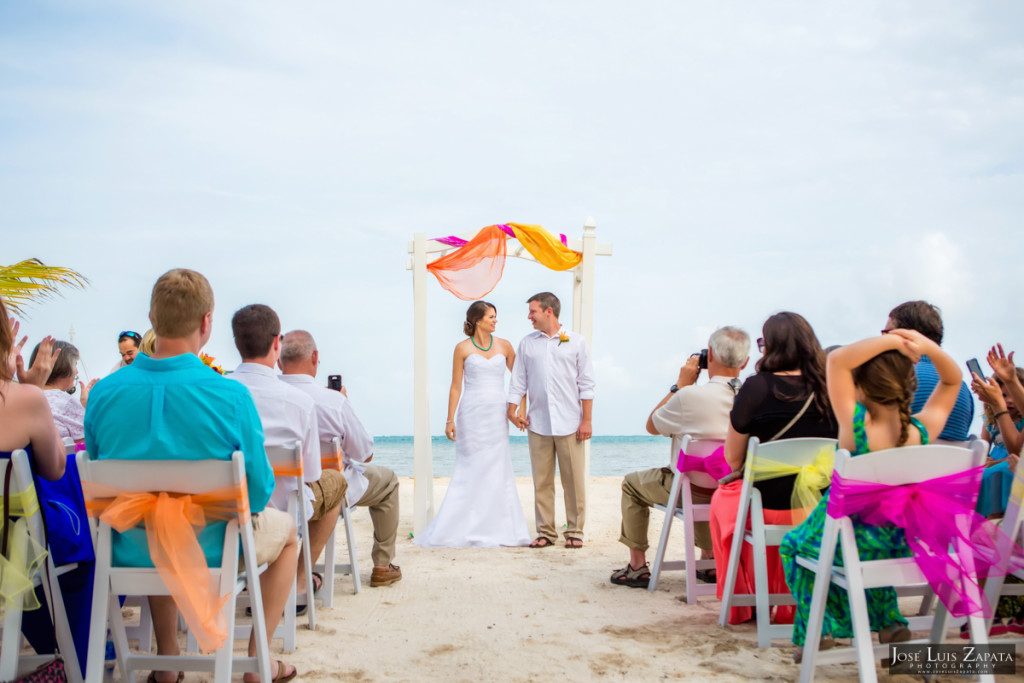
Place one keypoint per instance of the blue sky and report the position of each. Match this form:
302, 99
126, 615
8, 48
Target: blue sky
742, 158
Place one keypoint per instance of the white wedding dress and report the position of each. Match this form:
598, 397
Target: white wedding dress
481, 507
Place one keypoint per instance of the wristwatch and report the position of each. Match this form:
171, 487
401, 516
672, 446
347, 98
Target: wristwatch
673, 389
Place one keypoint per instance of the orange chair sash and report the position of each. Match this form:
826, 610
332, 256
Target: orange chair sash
332, 461
288, 469
171, 521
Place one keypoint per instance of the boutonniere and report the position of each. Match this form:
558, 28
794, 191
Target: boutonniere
208, 362
563, 337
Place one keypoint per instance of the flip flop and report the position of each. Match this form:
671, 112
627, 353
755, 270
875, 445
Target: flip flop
542, 542
574, 543
281, 677
152, 677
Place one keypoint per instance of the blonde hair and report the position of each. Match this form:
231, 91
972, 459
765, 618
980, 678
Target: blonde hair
148, 345
180, 299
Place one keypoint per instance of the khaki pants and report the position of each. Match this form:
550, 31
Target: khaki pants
640, 491
544, 450
382, 498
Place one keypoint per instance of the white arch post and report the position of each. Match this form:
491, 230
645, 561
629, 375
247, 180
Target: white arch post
424, 250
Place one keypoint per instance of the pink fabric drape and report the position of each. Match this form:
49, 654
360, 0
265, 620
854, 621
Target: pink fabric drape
713, 465
952, 544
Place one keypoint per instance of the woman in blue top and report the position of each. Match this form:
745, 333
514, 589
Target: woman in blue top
870, 384
1003, 429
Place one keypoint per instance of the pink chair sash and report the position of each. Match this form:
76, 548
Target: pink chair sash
714, 464
952, 544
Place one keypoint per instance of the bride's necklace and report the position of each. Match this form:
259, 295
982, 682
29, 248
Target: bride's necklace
473, 339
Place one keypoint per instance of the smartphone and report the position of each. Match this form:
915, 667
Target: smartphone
975, 367
334, 382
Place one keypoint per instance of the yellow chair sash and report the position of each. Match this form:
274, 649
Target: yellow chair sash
24, 555
810, 479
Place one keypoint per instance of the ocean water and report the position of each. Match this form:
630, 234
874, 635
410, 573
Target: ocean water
609, 455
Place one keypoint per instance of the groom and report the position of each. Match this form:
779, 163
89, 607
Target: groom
553, 368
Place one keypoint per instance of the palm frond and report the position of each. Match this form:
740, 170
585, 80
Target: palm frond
32, 279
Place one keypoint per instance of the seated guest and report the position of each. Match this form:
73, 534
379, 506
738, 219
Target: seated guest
171, 407
786, 399
703, 413
288, 415
371, 486
870, 385
128, 343
68, 412
925, 318
1002, 428
26, 423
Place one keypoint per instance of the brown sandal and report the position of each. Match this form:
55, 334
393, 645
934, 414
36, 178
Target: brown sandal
542, 542
574, 543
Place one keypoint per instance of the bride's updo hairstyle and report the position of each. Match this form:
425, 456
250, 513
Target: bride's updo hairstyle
477, 310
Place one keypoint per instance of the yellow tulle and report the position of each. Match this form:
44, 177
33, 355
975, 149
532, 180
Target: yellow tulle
810, 479
24, 554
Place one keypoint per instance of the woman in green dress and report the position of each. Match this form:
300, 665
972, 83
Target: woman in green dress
871, 384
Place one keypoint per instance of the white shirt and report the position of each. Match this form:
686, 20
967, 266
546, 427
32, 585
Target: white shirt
68, 414
335, 417
556, 376
702, 411
288, 415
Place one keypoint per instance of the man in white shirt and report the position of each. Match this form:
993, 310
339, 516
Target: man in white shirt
369, 486
553, 370
702, 411
288, 415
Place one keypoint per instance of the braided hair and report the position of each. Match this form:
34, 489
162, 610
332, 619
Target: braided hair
888, 379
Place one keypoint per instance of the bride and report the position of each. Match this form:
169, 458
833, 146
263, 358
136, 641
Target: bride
481, 507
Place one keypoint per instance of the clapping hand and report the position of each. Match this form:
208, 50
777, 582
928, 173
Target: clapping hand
1002, 364
989, 392
43, 365
85, 389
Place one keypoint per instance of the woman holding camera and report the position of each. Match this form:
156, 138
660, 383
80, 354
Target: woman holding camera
786, 399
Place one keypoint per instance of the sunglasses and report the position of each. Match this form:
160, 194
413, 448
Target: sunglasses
760, 344
130, 335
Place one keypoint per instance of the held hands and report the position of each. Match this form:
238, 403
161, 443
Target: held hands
1002, 364
521, 422
914, 343
688, 373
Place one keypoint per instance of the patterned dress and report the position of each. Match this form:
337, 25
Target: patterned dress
873, 542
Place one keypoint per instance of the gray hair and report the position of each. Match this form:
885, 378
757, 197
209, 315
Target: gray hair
731, 346
64, 366
298, 345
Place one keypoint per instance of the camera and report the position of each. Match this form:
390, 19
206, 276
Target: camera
702, 362
334, 382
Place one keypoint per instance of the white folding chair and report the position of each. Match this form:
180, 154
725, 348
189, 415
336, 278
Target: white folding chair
181, 477
333, 460
688, 514
289, 459
896, 466
1013, 527
12, 662
795, 452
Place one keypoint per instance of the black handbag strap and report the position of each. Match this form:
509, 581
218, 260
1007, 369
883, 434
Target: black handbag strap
7, 507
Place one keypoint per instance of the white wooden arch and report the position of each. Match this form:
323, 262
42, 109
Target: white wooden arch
425, 250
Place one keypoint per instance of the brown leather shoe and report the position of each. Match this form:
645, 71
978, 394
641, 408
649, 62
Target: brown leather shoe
385, 576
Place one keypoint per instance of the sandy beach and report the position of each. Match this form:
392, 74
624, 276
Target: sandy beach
519, 614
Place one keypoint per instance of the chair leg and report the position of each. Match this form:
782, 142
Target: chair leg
734, 561
11, 643
353, 561
762, 592
328, 565
659, 556
819, 596
308, 567
862, 638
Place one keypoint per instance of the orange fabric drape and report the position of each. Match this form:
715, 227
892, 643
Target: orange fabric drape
474, 269
170, 521
288, 469
332, 461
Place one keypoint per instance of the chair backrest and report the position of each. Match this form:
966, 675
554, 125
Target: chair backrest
909, 464
699, 448
331, 455
172, 476
795, 452
286, 457
21, 481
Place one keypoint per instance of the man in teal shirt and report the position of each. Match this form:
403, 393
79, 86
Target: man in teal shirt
171, 406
